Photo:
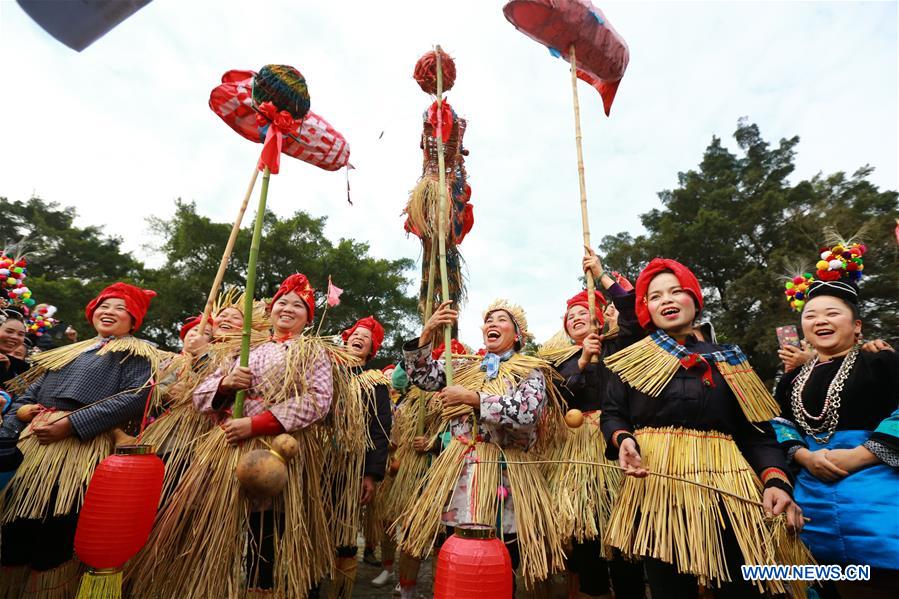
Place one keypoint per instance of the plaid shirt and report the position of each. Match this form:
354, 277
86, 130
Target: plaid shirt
86, 380
268, 364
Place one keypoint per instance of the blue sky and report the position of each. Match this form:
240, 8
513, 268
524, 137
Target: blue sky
123, 129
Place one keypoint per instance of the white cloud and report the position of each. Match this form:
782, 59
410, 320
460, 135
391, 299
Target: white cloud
122, 129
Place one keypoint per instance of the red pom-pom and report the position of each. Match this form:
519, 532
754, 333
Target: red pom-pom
426, 72
798, 280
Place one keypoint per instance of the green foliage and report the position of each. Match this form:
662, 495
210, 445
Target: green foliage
743, 227
69, 265
193, 246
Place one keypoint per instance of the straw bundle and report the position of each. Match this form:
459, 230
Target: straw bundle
682, 523
539, 539
197, 547
52, 479
583, 494
12, 580
413, 465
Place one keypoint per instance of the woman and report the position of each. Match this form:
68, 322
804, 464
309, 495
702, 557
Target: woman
840, 427
80, 392
671, 408
288, 385
584, 495
12, 341
497, 409
354, 472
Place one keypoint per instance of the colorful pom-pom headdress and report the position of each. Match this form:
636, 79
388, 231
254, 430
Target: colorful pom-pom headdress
837, 272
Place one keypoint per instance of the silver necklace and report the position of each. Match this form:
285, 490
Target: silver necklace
826, 421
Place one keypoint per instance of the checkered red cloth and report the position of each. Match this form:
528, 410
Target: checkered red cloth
317, 142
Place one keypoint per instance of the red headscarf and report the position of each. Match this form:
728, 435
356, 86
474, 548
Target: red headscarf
299, 284
456, 345
684, 275
582, 299
191, 323
137, 301
377, 333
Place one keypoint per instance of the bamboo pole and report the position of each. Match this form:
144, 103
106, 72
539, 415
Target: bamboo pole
229, 247
429, 309
585, 223
442, 223
251, 289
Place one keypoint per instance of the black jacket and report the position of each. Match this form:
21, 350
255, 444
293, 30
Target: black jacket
687, 402
380, 420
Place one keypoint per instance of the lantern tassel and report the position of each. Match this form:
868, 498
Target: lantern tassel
100, 584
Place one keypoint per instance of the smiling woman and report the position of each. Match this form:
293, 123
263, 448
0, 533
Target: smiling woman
498, 409
840, 425
292, 381
680, 406
82, 392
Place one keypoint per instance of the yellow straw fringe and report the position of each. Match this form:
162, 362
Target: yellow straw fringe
583, 495
644, 366
539, 538
65, 466
648, 368
56, 359
682, 524
423, 207
196, 548
413, 465
420, 522
100, 585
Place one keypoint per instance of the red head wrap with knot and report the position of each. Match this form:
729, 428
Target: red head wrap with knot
137, 301
299, 284
582, 299
191, 323
377, 333
684, 275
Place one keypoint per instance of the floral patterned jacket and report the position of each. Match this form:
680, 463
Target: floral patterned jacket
509, 420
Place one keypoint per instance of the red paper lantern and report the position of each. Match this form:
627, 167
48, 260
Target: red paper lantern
119, 509
473, 564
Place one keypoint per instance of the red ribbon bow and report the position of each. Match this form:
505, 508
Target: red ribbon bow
695, 359
279, 123
441, 120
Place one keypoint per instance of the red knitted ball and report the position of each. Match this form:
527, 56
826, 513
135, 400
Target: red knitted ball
426, 71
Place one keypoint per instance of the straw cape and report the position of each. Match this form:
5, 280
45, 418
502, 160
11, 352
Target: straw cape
179, 425
534, 521
682, 523
419, 406
197, 547
52, 479
650, 364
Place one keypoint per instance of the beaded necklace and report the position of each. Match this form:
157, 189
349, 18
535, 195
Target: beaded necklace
829, 416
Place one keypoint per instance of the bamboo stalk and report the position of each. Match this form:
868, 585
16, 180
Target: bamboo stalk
429, 309
442, 223
229, 248
250, 289
585, 223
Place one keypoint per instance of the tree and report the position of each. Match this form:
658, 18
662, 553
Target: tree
193, 246
743, 227
67, 265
